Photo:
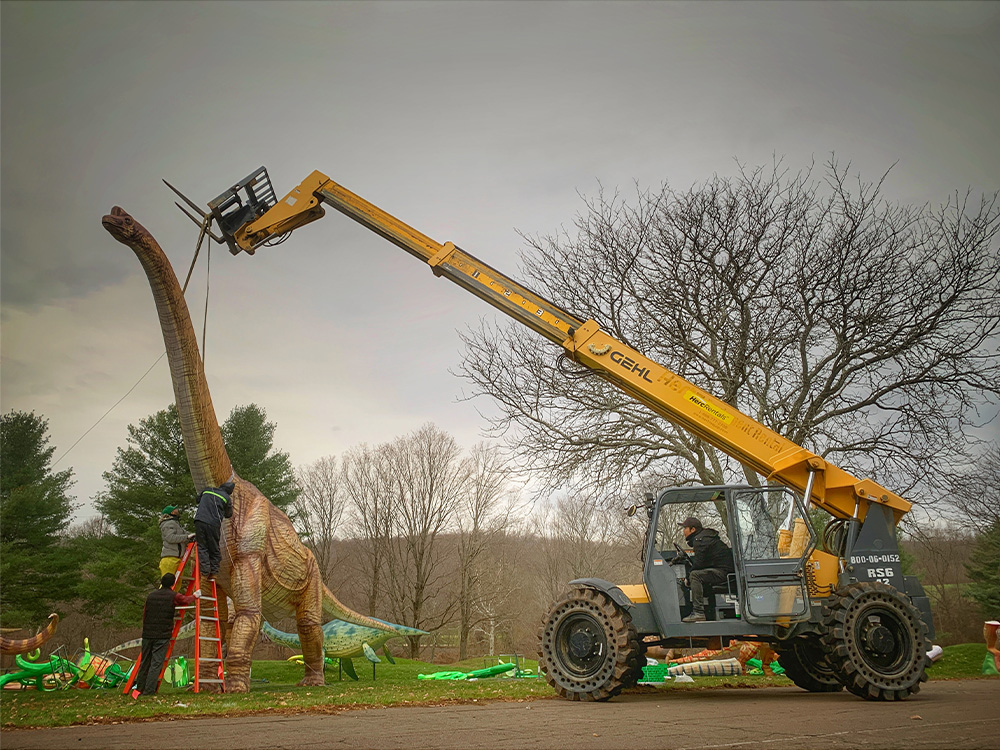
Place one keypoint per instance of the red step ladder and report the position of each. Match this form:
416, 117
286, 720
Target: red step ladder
207, 629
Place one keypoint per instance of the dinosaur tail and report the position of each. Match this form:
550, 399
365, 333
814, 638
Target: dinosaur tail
333, 609
9, 647
291, 640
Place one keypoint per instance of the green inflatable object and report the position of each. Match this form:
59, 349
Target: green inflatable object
47, 675
989, 665
756, 667
473, 675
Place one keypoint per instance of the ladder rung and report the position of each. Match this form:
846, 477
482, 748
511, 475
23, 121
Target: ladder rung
220, 682
212, 660
206, 638
210, 619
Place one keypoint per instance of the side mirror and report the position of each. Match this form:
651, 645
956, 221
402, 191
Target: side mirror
631, 510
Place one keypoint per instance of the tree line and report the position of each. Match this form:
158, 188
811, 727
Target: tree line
415, 531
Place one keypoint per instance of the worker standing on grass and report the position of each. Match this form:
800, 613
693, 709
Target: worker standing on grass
214, 504
157, 629
174, 538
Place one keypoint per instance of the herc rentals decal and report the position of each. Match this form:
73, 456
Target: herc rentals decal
701, 403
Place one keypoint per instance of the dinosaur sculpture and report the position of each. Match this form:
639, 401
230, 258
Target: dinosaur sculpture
9, 647
266, 569
345, 641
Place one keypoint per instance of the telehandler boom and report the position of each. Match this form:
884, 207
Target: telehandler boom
840, 613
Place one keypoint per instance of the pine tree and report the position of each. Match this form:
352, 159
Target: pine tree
984, 571
36, 567
148, 474
249, 441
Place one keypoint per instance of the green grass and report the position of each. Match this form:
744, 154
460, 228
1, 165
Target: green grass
959, 662
273, 690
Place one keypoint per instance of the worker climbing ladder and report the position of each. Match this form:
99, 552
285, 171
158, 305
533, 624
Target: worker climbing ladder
207, 629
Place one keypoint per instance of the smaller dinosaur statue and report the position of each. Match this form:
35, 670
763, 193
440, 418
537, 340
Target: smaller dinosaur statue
186, 631
345, 641
9, 647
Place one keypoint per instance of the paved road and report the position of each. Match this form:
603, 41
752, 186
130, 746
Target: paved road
953, 715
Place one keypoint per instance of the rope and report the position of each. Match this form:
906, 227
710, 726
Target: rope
204, 325
201, 236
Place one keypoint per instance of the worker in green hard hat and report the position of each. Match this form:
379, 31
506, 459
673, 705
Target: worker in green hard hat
174, 539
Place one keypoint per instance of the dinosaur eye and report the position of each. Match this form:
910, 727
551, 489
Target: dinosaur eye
128, 220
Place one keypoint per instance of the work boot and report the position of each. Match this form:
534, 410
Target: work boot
695, 616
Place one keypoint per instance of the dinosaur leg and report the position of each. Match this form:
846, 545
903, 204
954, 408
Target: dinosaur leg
245, 592
308, 622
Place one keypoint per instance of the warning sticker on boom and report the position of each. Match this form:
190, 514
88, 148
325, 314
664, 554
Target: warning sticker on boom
701, 403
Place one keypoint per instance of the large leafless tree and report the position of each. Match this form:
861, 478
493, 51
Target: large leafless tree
319, 510
482, 520
429, 480
370, 487
859, 328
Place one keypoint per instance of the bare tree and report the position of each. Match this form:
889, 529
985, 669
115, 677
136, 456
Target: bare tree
429, 481
853, 326
583, 536
483, 517
498, 604
371, 489
319, 509
940, 554
976, 492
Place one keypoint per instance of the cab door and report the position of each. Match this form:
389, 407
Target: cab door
772, 540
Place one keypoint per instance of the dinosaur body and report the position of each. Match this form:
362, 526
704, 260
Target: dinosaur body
23, 646
266, 569
343, 639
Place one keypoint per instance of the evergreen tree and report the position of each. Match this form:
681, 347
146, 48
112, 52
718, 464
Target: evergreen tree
249, 441
148, 474
984, 571
36, 567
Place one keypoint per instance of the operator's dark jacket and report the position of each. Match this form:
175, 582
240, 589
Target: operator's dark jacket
710, 551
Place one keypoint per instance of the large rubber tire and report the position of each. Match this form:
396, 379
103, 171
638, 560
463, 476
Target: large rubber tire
805, 663
589, 648
876, 641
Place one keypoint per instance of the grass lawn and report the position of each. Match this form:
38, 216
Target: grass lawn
273, 690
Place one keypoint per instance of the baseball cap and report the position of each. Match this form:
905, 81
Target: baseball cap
169, 509
691, 521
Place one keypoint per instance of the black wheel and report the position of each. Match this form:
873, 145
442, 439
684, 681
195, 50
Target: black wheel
876, 642
805, 663
589, 648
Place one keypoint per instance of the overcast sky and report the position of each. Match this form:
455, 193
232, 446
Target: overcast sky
471, 121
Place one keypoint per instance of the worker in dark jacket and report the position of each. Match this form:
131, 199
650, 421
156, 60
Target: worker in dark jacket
214, 504
157, 629
711, 563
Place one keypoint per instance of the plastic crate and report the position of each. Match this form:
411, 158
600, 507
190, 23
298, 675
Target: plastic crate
654, 673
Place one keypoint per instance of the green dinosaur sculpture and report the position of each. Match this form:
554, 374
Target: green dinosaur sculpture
345, 641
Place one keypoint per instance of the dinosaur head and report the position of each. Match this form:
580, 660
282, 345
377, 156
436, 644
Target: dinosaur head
125, 229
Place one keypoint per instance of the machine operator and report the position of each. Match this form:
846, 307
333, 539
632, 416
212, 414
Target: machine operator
711, 563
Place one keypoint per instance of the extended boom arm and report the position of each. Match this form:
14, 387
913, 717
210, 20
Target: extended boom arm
666, 393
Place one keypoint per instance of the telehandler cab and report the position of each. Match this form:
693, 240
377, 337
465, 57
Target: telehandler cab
833, 603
